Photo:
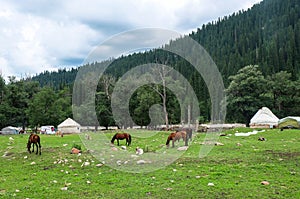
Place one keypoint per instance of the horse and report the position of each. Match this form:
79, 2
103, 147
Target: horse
189, 133
59, 133
176, 136
122, 136
34, 139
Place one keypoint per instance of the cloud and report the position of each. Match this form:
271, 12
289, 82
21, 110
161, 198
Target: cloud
45, 35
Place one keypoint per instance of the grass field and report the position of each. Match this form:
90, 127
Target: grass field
235, 170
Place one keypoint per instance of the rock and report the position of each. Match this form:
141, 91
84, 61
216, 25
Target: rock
123, 147
114, 149
139, 151
75, 151
141, 162
182, 148
238, 144
261, 139
85, 164
219, 144
210, 184
264, 183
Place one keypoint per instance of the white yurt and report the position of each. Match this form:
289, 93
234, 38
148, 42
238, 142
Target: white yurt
264, 118
69, 126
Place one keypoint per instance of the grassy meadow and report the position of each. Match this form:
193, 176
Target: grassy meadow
234, 170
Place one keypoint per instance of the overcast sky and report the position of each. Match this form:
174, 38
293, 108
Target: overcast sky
39, 35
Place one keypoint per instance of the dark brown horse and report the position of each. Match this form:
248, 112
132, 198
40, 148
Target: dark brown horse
122, 136
189, 132
34, 139
176, 136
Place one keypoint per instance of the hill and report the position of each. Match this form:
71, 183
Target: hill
268, 35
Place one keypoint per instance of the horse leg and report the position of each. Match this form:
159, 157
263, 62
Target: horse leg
37, 149
40, 148
32, 147
118, 142
173, 145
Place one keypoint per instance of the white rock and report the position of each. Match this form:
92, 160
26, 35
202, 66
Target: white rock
182, 148
210, 184
139, 151
123, 147
141, 162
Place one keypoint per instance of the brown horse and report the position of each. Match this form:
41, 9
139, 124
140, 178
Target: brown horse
122, 136
34, 139
176, 136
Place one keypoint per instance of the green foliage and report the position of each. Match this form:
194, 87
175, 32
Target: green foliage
77, 146
246, 93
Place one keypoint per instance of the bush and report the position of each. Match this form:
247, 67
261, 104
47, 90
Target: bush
77, 146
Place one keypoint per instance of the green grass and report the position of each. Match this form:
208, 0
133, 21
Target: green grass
236, 170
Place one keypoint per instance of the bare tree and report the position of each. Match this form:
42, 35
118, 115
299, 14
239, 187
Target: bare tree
162, 73
107, 81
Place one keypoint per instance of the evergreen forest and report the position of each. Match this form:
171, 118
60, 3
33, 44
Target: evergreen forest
257, 52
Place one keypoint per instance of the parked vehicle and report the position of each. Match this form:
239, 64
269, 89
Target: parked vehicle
47, 130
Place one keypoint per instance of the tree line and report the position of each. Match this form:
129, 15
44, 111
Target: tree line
257, 52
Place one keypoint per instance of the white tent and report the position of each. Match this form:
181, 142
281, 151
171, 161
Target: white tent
9, 130
264, 118
69, 126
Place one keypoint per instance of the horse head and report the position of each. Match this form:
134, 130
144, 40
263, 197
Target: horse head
29, 146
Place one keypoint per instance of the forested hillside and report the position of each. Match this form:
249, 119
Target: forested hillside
267, 35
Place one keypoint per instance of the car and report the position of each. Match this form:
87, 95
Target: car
47, 130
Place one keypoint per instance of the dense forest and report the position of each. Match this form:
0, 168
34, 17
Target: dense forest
257, 52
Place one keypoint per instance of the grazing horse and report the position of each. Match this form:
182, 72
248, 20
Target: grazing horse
189, 133
34, 139
176, 136
122, 136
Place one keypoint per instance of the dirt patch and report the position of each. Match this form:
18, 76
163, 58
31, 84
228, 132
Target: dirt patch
283, 155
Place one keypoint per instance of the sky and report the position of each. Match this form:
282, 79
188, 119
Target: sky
40, 35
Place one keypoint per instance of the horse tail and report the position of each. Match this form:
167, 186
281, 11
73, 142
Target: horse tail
113, 138
129, 139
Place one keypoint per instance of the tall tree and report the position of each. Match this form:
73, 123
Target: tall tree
246, 93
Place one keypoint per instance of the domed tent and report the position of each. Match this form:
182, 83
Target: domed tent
264, 118
9, 130
289, 122
69, 126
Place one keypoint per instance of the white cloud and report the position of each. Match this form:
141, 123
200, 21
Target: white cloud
45, 35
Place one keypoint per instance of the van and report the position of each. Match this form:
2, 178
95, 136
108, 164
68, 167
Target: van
47, 130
